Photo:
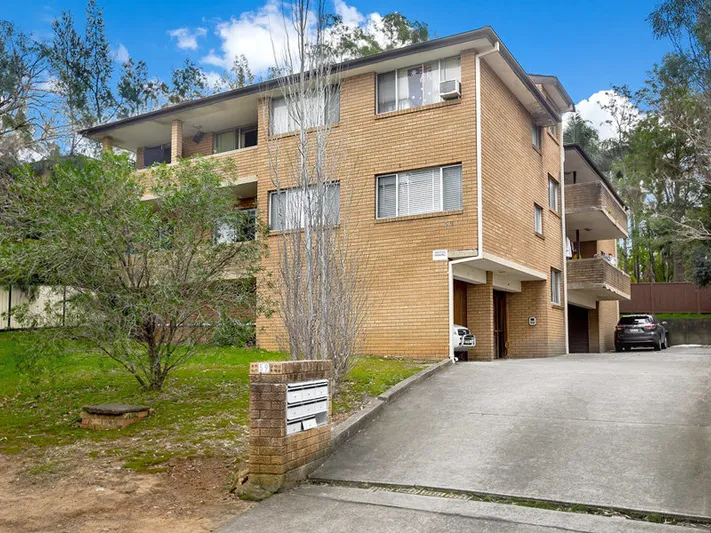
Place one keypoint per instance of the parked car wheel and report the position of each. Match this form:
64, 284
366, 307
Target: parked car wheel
666, 343
658, 345
618, 349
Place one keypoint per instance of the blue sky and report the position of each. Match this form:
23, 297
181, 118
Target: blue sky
587, 44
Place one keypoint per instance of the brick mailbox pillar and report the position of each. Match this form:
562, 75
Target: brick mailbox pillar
289, 420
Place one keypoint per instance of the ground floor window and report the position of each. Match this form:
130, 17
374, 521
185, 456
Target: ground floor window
242, 228
420, 191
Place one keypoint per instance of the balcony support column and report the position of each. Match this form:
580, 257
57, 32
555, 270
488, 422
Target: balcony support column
176, 141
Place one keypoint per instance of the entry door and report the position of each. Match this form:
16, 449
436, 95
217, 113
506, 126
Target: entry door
499, 324
578, 337
460, 303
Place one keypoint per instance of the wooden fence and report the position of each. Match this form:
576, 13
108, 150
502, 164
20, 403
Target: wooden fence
667, 298
11, 297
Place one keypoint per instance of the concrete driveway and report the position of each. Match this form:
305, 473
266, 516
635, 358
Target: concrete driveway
625, 430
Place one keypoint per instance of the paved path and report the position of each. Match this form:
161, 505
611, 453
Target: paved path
628, 430
625, 430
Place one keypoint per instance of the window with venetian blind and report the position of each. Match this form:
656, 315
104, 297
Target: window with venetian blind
416, 192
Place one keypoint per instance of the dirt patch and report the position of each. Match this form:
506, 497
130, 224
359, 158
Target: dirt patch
71, 493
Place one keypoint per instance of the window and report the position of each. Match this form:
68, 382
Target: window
536, 136
553, 130
319, 110
538, 219
417, 192
553, 189
243, 228
235, 139
287, 207
153, 155
555, 286
415, 86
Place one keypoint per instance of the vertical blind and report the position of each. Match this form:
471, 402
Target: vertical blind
288, 208
419, 191
318, 110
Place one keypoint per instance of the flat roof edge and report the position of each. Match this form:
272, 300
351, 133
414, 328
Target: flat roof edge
485, 32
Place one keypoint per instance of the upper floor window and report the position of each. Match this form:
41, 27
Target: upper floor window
153, 155
235, 138
416, 85
289, 207
419, 191
318, 110
553, 193
538, 219
536, 136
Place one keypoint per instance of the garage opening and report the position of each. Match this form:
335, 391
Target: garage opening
578, 339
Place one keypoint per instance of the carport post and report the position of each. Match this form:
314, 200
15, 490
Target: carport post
450, 280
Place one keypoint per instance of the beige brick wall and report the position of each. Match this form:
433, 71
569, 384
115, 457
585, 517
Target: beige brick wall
407, 291
515, 178
480, 319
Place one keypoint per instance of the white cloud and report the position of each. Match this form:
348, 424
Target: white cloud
349, 14
591, 109
121, 53
187, 40
258, 34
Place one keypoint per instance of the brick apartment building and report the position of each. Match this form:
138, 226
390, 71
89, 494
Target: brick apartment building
460, 196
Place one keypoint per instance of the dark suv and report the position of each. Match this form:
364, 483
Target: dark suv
640, 330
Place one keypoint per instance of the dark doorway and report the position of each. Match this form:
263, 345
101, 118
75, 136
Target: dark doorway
460, 303
499, 324
578, 339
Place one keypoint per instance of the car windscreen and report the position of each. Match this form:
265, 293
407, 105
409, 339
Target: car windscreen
633, 320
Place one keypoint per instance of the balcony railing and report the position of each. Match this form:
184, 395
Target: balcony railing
598, 277
592, 209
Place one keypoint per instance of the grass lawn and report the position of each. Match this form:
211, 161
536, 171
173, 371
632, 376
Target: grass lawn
664, 316
203, 409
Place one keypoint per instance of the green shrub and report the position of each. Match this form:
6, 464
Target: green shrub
231, 332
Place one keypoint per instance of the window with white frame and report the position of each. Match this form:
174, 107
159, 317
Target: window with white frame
288, 207
555, 286
235, 139
417, 85
538, 219
242, 227
553, 193
318, 110
536, 136
416, 192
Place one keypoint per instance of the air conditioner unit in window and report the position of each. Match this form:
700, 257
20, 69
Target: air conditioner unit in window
450, 89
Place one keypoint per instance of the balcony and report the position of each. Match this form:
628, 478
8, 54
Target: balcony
591, 209
591, 280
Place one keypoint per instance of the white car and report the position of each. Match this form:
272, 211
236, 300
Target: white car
462, 338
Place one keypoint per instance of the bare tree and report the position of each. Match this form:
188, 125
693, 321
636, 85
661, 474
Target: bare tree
322, 297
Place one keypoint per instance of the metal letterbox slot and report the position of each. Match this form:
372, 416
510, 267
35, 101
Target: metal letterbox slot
306, 405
